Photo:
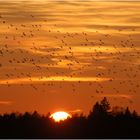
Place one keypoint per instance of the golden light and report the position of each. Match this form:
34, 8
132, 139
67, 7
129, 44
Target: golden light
60, 116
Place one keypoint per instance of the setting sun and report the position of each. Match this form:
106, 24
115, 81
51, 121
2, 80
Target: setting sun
58, 116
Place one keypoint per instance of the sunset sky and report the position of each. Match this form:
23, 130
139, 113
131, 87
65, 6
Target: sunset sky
66, 55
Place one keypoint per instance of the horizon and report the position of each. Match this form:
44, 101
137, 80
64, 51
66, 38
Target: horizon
67, 55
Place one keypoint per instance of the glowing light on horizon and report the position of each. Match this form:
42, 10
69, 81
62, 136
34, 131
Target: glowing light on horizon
60, 116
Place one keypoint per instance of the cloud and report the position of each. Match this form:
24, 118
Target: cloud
5, 102
117, 96
52, 79
75, 111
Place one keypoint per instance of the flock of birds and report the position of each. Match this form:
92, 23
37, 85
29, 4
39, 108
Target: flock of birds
23, 55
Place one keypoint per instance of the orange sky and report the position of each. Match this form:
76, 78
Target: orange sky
66, 55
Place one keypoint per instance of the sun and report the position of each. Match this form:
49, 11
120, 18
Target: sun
60, 116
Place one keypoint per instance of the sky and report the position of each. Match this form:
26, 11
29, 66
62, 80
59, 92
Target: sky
67, 55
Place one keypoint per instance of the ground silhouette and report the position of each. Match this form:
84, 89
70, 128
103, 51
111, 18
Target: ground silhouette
102, 122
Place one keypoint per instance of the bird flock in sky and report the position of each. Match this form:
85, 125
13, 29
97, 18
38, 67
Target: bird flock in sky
39, 52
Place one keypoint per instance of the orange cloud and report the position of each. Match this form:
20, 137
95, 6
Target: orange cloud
5, 102
52, 79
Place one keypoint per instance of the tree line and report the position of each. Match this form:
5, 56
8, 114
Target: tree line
102, 122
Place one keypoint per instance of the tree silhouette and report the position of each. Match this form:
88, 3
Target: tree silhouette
105, 105
100, 109
102, 122
134, 114
127, 112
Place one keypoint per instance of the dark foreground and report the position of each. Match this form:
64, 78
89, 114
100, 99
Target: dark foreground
102, 122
